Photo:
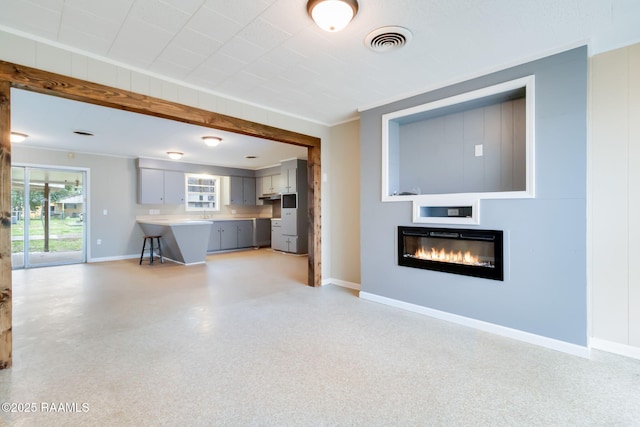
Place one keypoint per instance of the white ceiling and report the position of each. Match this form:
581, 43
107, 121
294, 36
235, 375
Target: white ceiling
50, 123
269, 52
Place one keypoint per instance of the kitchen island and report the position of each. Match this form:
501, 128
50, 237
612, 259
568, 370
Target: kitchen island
183, 241
188, 241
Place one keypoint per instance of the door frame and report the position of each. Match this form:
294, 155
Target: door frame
35, 80
86, 209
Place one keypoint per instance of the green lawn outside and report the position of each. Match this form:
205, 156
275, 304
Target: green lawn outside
65, 235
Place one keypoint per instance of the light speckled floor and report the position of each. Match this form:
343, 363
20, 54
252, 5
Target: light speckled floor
241, 341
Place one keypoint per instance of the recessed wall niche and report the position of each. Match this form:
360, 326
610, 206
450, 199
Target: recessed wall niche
479, 145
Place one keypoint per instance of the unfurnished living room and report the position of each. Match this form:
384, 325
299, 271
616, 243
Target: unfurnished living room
322, 212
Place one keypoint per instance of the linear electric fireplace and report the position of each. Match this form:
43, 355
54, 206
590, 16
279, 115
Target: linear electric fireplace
477, 253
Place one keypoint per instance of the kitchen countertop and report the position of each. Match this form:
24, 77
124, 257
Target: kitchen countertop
187, 221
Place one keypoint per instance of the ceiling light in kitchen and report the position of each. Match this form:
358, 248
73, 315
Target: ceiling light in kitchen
211, 141
17, 137
332, 15
174, 155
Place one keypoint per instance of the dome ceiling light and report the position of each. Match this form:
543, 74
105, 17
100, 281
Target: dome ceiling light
212, 141
174, 155
332, 15
18, 137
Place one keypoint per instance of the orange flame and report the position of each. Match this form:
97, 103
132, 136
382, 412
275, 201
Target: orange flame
444, 256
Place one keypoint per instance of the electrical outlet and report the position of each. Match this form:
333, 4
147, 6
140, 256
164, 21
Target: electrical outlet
479, 150
233, 211
99, 242
105, 212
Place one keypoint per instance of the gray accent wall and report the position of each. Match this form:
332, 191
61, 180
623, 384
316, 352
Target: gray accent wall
545, 289
437, 156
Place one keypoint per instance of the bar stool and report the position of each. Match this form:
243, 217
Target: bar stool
144, 243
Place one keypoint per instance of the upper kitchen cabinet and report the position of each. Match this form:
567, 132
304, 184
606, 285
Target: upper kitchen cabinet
242, 190
173, 187
293, 175
270, 184
156, 186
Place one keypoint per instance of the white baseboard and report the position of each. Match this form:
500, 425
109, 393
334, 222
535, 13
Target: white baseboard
113, 258
616, 348
527, 337
342, 283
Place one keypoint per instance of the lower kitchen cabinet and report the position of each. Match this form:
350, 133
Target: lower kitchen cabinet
281, 241
277, 243
290, 243
230, 235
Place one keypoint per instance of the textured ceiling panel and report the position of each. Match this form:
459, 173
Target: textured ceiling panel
220, 44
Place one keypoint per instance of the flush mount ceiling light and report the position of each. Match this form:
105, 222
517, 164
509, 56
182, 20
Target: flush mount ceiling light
17, 137
211, 141
332, 15
174, 155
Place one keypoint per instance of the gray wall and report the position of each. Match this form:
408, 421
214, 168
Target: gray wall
438, 155
545, 291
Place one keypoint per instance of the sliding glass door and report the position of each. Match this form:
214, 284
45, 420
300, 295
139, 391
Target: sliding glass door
48, 216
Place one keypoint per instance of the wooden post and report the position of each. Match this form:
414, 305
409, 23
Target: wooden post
5, 225
313, 191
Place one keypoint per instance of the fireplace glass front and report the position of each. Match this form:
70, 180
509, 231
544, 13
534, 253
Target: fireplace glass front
477, 253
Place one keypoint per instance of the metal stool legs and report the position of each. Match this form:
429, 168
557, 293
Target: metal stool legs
144, 244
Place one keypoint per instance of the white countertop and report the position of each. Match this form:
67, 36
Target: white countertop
187, 221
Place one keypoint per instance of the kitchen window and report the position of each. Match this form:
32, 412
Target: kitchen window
203, 192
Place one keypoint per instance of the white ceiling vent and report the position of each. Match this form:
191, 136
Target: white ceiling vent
388, 38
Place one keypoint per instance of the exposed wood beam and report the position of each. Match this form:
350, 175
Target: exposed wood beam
71, 88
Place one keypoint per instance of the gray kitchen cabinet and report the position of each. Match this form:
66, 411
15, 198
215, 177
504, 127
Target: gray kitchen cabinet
294, 223
242, 190
157, 186
290, 243
214, 238
262, 232
227, 235
277, 243
290, 222
270, 184
259, 190
288, 179
174, 188
244, 234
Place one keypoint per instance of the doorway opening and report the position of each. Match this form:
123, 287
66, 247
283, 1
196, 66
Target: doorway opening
48, 216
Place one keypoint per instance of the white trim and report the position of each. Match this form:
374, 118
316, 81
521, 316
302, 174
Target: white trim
112, 258
342, 283
614, 347
527, 337
528, 83
448, 201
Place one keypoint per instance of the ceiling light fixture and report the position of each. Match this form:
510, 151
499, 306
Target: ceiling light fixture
211, 141
17, 137
174, 155
332, 15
